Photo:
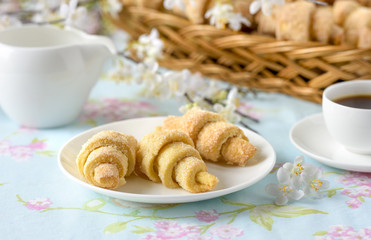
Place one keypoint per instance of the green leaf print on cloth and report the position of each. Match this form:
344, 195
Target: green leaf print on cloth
211, 221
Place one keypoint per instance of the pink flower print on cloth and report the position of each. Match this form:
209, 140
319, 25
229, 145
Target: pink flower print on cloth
355, 178
226, 231
207, 215
340, 232
358, 188
26, 152
249, 110
4, 148
168, 229
191, 228
38, 204
113, 109
354, 203
199, 237
27, 130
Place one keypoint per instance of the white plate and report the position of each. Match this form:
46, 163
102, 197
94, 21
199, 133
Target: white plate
136, 189
311, 137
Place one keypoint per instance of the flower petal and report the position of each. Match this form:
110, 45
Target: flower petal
296, 194
283, 176
255, 6
288, 166
281, 200
299, 160
272, 189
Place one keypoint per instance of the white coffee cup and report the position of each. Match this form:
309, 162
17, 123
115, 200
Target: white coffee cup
349, 126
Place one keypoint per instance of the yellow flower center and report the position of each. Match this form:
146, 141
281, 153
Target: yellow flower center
285, 189
316, 184
298, 169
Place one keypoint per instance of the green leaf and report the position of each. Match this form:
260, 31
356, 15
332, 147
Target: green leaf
36, 140
115, 227
320, 233
140, 229
47, 153
360, 198
94, 204
248, 205
20, 199
91, 122
331, 193
260, 217
292, 211
134, 213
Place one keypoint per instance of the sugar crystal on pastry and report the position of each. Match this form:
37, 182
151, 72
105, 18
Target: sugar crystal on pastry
107, 158
169, 157
213, 136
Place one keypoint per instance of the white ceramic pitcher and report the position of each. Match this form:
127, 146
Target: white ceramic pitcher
46, 73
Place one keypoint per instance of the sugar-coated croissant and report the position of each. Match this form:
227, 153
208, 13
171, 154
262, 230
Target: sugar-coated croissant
213, 137
107, 158
169, 156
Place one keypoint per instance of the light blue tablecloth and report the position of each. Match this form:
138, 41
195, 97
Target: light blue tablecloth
38, 202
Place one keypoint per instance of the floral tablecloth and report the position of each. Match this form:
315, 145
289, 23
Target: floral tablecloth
38, 202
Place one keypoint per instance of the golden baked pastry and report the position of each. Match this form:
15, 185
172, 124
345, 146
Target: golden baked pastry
155, 4
342, 10
357, 20
322, 24
294, 21
213, 137
169, 156
107, 158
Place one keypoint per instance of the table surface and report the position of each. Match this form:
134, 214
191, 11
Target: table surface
38, 202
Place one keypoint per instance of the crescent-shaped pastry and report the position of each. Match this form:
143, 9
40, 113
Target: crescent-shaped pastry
107, 158
169, 157
213, 137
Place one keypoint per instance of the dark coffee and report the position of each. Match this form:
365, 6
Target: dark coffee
357, 101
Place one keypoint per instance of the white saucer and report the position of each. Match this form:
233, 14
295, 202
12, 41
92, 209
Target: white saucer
311, 137
136, 189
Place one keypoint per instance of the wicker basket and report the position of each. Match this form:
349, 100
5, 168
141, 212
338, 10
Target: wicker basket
299, 69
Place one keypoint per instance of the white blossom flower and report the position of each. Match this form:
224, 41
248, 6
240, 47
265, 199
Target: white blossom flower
9, 6
74, 16
228, 111
265, 6
222, 14
44, 10
120, 71
8, 21
236, 20
296, 170
313, 182
211, 90
170, 4
155, 84
185, 82
120, 39
197, 102
149, 47
145, 74
285, 190
177, 84
113, 7
195, 83
158, 89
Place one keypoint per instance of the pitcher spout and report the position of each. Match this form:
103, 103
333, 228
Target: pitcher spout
95, 46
